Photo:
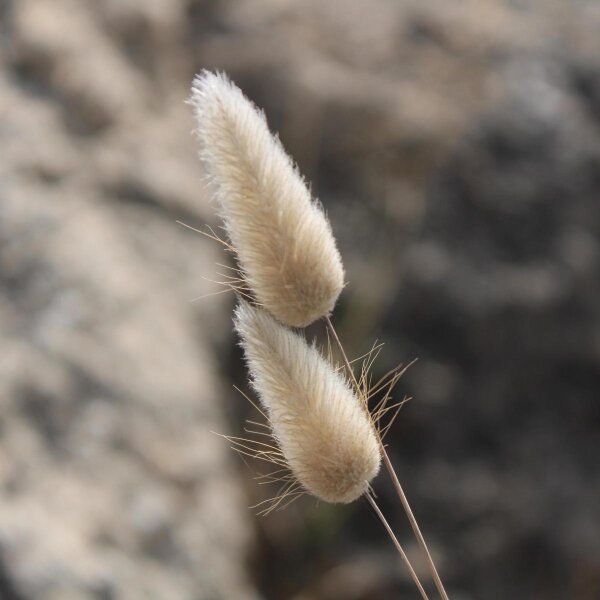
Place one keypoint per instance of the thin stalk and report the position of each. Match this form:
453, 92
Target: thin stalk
398, 546
413, 523
343, 352
401, 495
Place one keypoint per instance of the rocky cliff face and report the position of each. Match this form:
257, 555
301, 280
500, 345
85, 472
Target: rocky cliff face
456, 147
113, 485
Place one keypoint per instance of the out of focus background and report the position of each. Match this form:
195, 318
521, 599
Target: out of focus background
456, 148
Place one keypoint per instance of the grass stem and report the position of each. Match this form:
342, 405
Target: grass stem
394, 539
396, 482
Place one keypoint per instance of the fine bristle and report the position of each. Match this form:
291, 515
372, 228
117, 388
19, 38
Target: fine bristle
322, 428
282, 237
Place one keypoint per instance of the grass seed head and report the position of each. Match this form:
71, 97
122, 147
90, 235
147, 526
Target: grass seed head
322, 428
283, 240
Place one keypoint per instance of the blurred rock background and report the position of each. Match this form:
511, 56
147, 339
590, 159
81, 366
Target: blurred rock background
456, 147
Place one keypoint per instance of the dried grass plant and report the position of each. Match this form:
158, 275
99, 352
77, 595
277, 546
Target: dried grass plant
322, 433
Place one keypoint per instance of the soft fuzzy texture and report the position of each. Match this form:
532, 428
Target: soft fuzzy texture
282, 237
322, 429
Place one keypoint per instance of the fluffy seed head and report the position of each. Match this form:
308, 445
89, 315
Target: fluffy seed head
283, 239
323, 430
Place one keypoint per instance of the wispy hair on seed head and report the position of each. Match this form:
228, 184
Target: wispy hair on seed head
263, 447
282, 238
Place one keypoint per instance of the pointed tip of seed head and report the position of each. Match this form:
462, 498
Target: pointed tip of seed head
209, 81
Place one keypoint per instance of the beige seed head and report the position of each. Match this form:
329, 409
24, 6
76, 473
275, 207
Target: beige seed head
282, 237
323, 430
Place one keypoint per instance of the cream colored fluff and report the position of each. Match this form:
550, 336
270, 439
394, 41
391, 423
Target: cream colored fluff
282, 237
324, 433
